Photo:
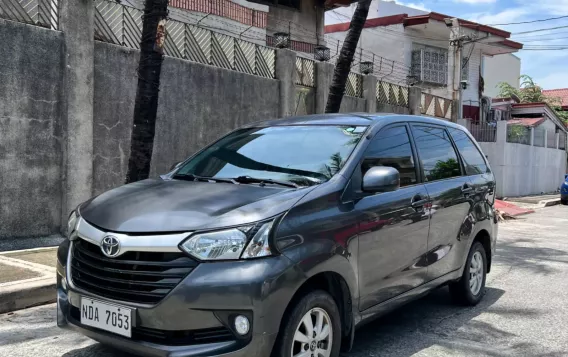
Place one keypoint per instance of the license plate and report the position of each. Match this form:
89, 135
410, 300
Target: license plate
108, 317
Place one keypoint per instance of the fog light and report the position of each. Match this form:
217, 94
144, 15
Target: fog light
242, 325
64, 284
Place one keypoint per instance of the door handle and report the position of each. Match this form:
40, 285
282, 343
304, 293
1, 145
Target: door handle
418, 201
467, 189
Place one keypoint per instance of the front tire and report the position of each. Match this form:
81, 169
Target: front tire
564, 202
470, 289
311, 329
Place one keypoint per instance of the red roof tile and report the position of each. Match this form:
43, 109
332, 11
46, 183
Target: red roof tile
424, 19
561, 94
526, 121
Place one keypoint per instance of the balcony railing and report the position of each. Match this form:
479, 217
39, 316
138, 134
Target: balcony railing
224, 8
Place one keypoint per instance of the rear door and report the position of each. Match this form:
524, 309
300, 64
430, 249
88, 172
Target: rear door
393, 226
449, 191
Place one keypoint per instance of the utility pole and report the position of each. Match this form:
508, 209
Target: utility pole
146, 103
456, 42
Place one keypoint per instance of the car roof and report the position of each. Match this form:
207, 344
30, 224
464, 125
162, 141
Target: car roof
357, 119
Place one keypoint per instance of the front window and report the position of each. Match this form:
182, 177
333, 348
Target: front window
304, 155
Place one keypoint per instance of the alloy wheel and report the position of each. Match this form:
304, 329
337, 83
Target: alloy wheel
476, 271
314, 335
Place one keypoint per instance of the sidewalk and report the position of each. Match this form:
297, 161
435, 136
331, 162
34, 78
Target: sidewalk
27, 278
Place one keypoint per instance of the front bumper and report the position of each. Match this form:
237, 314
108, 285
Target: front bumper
259, 288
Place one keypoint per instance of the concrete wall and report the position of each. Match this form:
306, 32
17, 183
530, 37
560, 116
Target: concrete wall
353, 105
31, 130
528, 169
303, 24
523, 169
502, 68
387, 108
190, 114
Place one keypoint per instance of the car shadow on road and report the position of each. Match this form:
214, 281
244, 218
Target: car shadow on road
409, 329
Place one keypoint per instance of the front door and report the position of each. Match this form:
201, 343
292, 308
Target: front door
450, 191
393, 231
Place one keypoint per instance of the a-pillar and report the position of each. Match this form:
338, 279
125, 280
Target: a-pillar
77, 23
286, 74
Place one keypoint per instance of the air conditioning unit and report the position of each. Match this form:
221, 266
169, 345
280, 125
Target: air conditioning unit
430, 65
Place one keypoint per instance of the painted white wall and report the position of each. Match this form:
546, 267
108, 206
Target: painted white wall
501, 68
523, 169
470, 96
378, 9
529, 169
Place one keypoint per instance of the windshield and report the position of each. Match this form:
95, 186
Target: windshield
304, 155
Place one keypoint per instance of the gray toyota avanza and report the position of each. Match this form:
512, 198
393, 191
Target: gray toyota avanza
281, 238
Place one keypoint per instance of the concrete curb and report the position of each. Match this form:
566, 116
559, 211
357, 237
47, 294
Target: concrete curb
21, 294
548, 203
27, 294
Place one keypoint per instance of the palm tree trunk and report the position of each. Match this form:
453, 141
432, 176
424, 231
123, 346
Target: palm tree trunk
146, 104
345, 59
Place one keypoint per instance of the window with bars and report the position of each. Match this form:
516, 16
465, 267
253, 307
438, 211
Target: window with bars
465, 69
430, 64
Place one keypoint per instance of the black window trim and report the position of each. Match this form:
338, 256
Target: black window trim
456, 151
357, 173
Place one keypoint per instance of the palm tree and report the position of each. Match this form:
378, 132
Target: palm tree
345, 59
146, 103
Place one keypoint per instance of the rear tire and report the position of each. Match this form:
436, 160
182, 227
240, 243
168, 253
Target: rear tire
564, 202
470, 289
311, 328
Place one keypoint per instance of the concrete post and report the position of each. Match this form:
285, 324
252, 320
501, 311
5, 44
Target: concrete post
286, 74
415, 100
77, 23
324, 75
532, 136
370, 93
464, 123
498, 161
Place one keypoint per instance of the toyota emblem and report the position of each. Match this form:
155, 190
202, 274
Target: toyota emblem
110, 246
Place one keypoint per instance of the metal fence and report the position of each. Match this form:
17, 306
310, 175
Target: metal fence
305, 72
436, 106
44, 13
551, 139
484, 132
354, 85
393, 94
562, 141
539, 137
122, 25
518, 134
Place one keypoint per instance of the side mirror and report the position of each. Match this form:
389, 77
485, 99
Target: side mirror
175, 166
381, 179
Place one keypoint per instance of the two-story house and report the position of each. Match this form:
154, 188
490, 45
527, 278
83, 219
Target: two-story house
420, 42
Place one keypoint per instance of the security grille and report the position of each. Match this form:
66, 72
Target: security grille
44, 13
430, 65
122, 25
393, 94
305, 73
436, 106
354, 85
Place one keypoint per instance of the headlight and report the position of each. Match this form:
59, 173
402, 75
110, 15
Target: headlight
72, 223
230, 244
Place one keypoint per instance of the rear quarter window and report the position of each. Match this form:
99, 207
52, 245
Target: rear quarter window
471, 156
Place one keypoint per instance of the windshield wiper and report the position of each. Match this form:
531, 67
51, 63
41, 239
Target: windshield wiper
248, 179
193, 177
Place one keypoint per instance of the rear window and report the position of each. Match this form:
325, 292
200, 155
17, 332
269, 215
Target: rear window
471, 157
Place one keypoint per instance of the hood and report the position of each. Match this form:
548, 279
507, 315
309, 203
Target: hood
158, 205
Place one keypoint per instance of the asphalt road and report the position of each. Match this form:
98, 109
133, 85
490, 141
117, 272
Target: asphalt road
524, 313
